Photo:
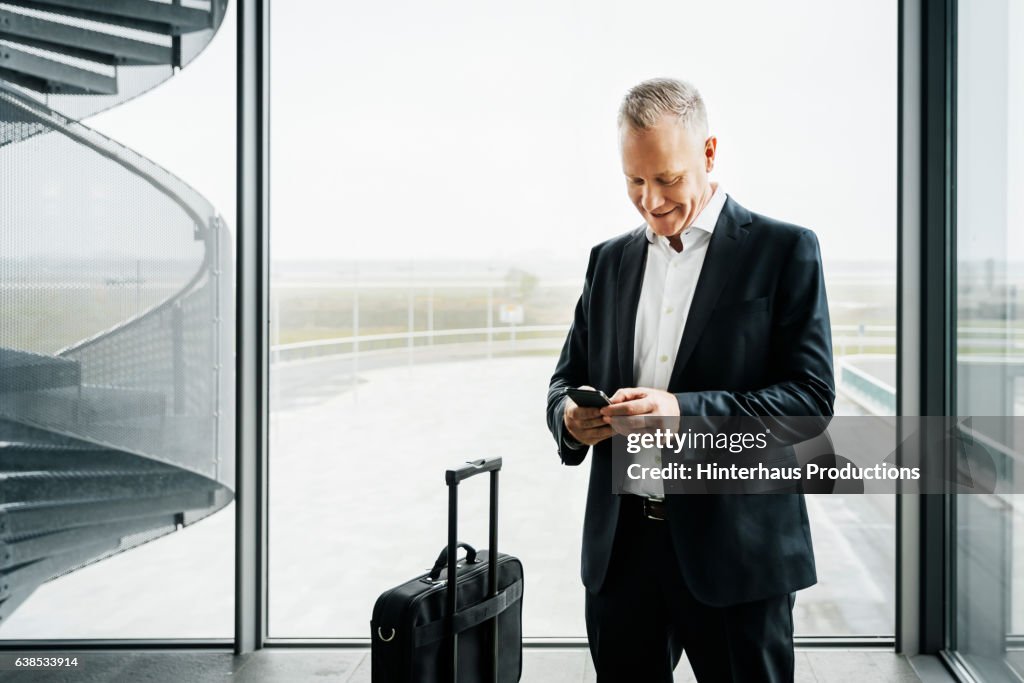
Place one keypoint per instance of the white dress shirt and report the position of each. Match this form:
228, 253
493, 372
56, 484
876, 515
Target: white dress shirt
670, 278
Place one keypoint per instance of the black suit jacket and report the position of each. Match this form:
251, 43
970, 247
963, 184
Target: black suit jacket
757, 342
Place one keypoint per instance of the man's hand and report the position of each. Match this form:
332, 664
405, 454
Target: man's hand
637, 409
585, 424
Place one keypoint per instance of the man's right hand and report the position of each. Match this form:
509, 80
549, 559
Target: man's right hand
585, 424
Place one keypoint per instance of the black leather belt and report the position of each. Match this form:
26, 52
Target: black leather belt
654, 509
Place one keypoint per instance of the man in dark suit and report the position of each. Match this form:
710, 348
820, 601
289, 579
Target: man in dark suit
708, 309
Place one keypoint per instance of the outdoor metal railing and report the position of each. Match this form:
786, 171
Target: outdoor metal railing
846, 339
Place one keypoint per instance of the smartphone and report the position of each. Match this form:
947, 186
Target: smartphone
588, 398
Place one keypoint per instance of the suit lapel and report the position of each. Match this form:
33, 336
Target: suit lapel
716, 271
630, 280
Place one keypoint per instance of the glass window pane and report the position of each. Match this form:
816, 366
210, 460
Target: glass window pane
988, 604
117, 333
440, 173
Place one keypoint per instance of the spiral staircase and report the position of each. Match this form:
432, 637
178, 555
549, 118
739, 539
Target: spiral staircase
116, 370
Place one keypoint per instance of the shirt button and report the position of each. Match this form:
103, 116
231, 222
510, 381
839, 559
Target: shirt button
669, 310
663, 358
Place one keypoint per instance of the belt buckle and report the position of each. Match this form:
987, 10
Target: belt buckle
648, 512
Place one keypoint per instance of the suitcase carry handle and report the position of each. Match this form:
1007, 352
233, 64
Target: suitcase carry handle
442, 559
452, 479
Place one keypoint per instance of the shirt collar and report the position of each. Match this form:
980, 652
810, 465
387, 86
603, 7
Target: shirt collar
707, 218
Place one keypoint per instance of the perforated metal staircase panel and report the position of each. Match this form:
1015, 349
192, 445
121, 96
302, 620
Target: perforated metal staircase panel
115, 294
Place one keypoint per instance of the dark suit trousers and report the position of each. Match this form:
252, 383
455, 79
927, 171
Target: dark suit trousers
645, 617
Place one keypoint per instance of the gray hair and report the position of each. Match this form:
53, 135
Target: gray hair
647, 102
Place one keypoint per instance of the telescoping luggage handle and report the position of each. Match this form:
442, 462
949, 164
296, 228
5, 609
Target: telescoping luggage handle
472, 468
452, 478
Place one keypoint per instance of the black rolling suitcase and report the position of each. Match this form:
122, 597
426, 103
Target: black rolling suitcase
430, 630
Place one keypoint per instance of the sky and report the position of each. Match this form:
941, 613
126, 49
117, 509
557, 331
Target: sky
412, 131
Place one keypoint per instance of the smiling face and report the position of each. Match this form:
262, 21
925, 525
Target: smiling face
666, 168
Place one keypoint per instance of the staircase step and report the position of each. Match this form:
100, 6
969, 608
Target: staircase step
80, 43
141, 15
53, 77
29, 576
17, 457
17, 522
91, 405
23, 370
44, 488
25, 550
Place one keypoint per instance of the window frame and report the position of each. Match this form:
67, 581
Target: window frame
926, 278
